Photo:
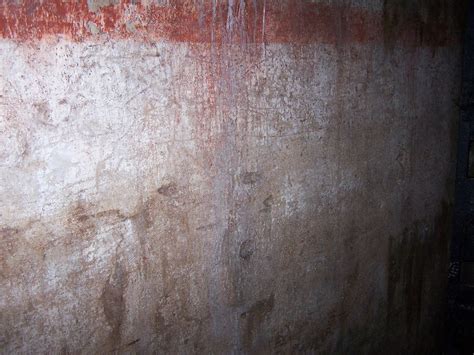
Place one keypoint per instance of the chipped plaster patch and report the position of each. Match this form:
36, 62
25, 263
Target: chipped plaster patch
163, 3
97, 5
93, 28
130, 26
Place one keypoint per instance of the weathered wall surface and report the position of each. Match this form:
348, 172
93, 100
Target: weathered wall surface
225, 176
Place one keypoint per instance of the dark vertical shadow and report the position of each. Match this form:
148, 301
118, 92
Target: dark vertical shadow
461, 274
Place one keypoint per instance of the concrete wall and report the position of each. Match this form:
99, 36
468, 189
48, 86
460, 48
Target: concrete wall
225, 176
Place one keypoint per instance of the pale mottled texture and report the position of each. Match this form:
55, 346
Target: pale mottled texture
178, 198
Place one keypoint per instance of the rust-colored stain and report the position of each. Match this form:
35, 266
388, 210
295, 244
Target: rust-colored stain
244, 21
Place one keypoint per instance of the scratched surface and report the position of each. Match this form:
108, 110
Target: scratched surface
178, 177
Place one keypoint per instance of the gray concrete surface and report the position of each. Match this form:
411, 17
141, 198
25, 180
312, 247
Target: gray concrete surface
174, 196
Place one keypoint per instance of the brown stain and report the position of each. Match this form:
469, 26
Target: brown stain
113, 301
163, 259
267, 204
417, 272
254, 318
246, 250
351, 249
251, 177
410, 319
80, 222
307, 335
72, 232
161, 225
164, 200
297, 22
82, 219
168, 190
8, 237
8, 232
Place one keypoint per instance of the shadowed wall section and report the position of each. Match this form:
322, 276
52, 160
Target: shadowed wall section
225, 176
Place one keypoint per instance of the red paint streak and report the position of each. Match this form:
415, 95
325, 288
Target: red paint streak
296, 21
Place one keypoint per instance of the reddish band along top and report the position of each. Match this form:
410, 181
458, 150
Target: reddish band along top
224, 21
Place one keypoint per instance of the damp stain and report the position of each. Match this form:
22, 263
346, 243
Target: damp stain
417, 261
421, 22
113, 301
247, 248
253, 319
251, 177
168, 190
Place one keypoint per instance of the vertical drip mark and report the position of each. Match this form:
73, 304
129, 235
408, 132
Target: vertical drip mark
213, 25
243, 39
263, 26
230, 18
255, 19
214, 54
202, 14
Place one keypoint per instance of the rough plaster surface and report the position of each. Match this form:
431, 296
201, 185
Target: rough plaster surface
174, 197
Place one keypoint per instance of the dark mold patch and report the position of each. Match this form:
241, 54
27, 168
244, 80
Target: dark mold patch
168, 190
254, 318
246, 249
267, 204
251, 177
